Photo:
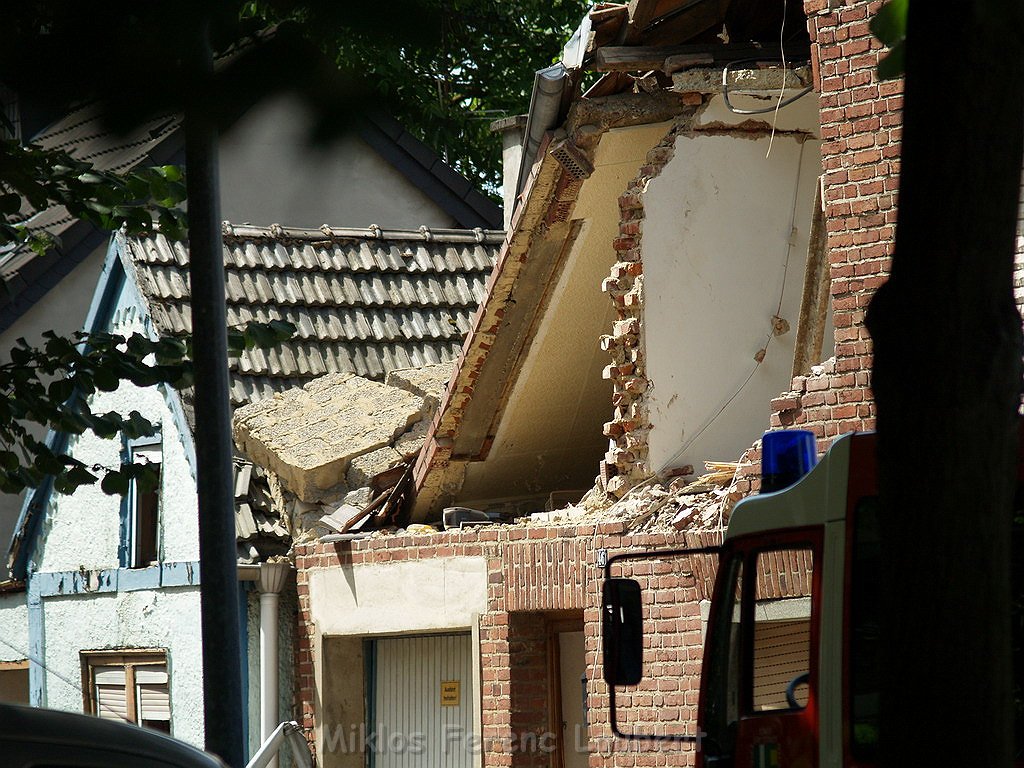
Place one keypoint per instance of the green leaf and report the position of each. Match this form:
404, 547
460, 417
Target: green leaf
9, 460
105, 379
146, 476
47, 463
171, 172
890, 23
115, 484
137, 426
893, 65
75, 477
10, 204
60, 390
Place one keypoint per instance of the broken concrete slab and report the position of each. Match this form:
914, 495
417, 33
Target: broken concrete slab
429, 382
363, 468
310, 436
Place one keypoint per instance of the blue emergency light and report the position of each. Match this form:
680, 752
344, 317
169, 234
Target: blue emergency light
786, 456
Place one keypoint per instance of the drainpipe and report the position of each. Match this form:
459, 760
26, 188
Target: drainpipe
271, 580
549, 87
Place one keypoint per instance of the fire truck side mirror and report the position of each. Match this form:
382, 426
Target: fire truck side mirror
622, 632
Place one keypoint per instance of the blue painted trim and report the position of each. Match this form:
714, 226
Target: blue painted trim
66, 583
101, 309
243, 636
188, 443
180, 574
36, 646
124, 514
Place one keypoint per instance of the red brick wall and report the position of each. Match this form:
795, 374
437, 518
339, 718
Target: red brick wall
530, 572
860, 131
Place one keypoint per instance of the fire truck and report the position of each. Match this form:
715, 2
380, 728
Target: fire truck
789, 639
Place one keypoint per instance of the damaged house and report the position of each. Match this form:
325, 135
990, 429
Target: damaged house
699, 231
112, 611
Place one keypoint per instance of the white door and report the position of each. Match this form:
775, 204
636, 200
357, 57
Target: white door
422, 702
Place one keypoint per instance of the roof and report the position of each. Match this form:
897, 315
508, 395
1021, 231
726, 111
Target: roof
367, 301
82, 133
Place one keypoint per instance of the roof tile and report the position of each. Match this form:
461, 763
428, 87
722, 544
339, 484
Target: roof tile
364, 301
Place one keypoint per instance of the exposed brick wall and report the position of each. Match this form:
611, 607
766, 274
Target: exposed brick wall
860, 131
626, 461
529, 690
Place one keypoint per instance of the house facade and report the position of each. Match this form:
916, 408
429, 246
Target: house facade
681, 274
112, 584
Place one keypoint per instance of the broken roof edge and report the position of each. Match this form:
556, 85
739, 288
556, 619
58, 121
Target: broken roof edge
546, 189
475, 236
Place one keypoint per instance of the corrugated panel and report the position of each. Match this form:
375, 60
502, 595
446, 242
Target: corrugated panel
782, 650
414, 727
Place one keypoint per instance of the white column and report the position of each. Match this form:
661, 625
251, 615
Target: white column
272, 577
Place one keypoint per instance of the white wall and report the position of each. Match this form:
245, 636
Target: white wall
398, 597
13, 627
725, 239
269, 174
82, 530
167, 618
64, 311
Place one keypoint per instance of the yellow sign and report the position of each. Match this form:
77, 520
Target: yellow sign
450, 693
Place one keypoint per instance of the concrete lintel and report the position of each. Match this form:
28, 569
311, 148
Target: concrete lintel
759, 82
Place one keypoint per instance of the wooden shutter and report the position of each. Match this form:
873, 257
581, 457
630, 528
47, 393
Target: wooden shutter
111, 701
152, 695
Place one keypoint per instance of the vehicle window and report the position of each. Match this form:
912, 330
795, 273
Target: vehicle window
723, 708
781, 654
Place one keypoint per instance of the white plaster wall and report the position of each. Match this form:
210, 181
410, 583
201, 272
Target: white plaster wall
269, 174
82, 530
398, 597
725, 238
166, 619
13, 627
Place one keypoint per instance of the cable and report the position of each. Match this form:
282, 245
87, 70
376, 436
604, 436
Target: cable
736, 110
782, 85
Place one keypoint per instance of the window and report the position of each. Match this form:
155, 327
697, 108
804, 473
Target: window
140, 540
782, 629
132, 687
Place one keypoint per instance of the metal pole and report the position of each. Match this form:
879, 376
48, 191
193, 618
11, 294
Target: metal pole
222, 654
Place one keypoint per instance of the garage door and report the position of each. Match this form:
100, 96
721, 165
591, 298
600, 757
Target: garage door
422, 700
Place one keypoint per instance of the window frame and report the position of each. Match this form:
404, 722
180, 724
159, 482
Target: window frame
129, 554
131, 661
